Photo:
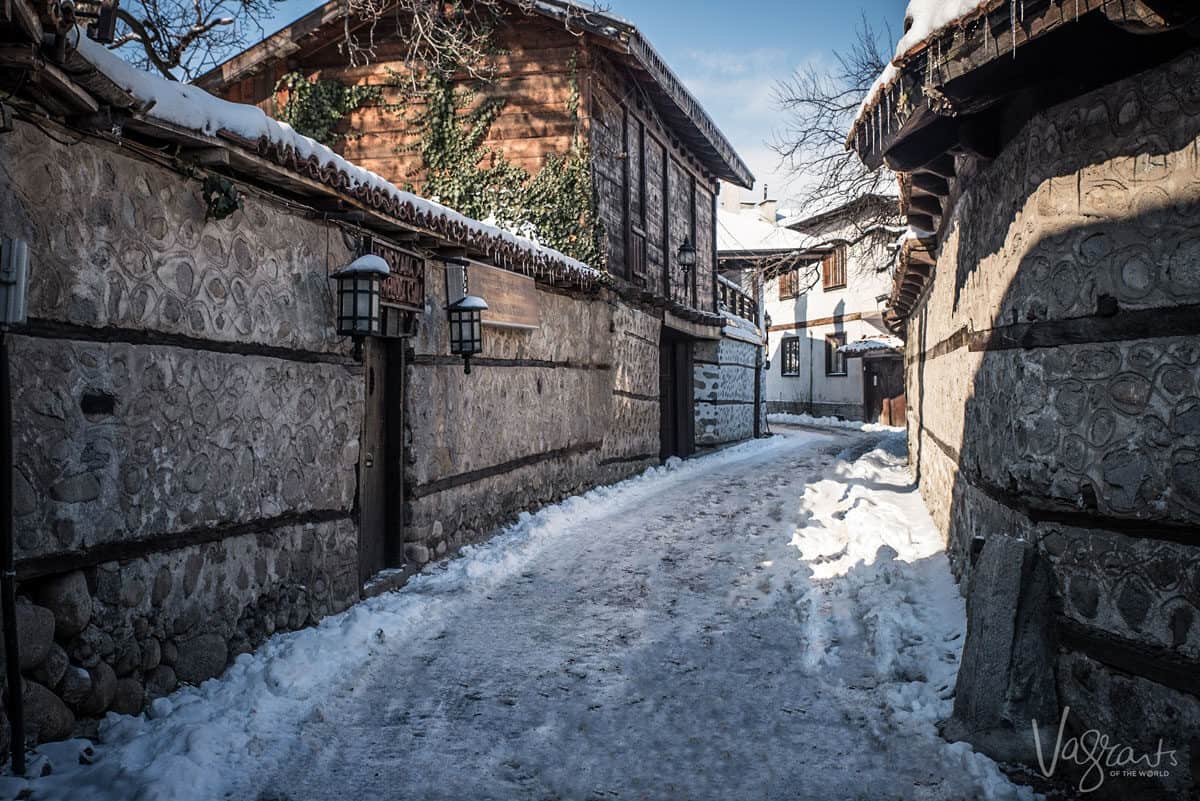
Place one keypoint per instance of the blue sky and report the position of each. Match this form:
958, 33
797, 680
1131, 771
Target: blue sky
731, 53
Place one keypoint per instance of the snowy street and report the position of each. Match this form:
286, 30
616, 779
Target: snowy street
775, 621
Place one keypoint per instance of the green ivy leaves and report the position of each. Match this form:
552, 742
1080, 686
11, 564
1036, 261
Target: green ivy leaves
461, 171
314, 107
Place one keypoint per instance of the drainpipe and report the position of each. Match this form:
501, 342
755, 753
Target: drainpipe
8, 575
758, 359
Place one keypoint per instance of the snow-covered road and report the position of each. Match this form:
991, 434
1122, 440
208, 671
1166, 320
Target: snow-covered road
776, 621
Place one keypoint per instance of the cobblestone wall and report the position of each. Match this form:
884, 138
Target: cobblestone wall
724, 391
562, 408
1070, 418
186, 427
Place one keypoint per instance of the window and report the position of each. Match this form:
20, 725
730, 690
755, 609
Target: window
833, 269
835, 363
791, 356
789, 284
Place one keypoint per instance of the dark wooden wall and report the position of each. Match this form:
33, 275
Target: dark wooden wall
636, 153
645, 178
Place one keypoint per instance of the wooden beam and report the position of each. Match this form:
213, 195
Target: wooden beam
925, 204
930, 183
942, 165
208, 156
979, 136
921, 221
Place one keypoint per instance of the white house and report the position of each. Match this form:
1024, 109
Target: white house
819, 278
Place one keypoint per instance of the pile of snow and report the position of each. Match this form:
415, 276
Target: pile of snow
193, 108
828, 422
741, 329
879, 572
923, 18
872, 344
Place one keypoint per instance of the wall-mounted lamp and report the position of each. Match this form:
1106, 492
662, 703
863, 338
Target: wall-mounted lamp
687, 255
465, 313
358, 298
466, 328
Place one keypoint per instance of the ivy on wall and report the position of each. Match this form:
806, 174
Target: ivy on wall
558, 204
315, 107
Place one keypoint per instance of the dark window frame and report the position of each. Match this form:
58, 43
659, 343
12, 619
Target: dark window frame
832, 358
793, 344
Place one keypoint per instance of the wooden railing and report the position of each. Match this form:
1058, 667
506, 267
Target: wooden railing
735, 300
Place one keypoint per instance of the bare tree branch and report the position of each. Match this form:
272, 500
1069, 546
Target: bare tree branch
820, 104
183, 38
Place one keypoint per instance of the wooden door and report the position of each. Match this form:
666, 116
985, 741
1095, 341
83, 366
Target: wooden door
883, 391
381, 459
678, 419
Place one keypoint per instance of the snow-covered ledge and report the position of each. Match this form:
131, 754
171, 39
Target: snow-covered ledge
193, 109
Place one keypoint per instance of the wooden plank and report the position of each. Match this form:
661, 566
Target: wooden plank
513, 299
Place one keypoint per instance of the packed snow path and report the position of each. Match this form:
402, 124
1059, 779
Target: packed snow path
776, 621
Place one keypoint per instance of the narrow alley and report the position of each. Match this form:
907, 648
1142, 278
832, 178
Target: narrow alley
776, 620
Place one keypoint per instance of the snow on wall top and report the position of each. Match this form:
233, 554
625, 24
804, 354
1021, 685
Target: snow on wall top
194, 109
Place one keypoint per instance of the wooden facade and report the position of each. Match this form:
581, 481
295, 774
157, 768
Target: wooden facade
654, 186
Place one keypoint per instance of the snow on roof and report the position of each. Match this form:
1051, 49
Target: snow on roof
747, 231
872, 344
192, 108
832, 205
922, 19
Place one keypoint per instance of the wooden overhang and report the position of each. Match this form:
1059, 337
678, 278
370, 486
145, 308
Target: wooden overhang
677, 106
969, 88
73, 91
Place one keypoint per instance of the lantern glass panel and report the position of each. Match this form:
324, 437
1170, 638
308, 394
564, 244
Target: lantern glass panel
358, 306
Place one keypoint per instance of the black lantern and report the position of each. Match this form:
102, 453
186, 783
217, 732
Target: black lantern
358, 296
466, 328
687, 255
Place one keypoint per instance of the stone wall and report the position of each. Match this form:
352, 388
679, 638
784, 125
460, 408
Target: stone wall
724, 390
1054, 397
186, 429
189, 427
544, 414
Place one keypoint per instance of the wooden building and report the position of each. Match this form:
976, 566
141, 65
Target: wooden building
561, 77
1048, 289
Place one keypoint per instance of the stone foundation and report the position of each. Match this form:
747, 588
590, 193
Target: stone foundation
844, 411
116, 636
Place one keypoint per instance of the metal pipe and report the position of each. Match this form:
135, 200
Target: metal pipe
8, 575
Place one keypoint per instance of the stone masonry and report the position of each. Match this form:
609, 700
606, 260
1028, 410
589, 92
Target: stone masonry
1085, 447
186, 424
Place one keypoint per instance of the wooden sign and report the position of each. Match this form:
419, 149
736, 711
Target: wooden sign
512, 298
405, 285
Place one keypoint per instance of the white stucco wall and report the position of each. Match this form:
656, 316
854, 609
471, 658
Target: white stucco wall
854, 311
